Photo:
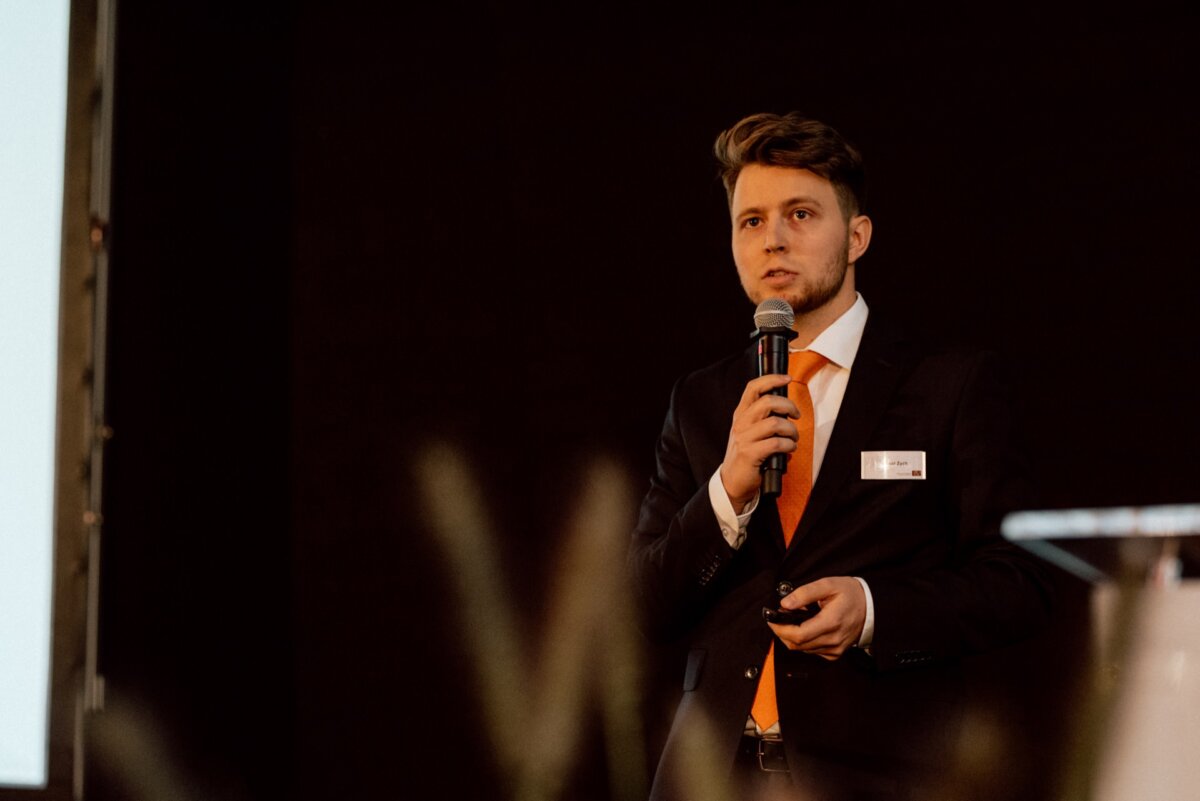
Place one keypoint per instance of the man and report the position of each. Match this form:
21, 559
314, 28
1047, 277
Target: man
901, 466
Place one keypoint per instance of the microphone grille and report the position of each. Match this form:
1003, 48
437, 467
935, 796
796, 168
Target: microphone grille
774, 313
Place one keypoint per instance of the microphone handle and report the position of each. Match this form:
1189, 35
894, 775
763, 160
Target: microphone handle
773, 358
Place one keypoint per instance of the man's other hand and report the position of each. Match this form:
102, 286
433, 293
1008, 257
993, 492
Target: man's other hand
836, 627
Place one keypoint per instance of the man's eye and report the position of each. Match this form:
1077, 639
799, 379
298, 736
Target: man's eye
800, 214
752, 222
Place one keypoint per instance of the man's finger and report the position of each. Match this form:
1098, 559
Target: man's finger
757, 387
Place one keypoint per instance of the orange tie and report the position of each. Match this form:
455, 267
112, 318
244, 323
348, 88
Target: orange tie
797, 483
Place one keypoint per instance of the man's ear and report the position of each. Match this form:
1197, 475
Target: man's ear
860, 237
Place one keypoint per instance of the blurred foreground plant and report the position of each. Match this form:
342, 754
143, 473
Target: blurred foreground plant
536, 696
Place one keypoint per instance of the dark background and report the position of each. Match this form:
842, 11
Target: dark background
341, 235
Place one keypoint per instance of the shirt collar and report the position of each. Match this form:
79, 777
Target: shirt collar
839, 342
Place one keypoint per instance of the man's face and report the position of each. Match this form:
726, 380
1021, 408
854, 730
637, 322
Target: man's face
790, 239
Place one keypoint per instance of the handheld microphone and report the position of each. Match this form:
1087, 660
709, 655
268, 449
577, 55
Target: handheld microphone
773, 321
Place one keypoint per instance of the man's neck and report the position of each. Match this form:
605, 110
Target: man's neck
809, 325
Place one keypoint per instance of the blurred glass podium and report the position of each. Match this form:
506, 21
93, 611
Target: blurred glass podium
1137, 729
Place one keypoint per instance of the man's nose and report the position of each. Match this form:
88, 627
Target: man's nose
774, 240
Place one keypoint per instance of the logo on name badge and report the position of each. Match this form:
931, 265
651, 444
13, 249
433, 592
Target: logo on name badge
904, 465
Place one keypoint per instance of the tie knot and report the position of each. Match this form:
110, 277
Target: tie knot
804, 364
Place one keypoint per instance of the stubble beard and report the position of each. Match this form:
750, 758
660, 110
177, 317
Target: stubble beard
818, 293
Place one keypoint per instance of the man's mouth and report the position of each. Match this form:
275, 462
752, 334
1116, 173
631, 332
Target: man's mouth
778, 275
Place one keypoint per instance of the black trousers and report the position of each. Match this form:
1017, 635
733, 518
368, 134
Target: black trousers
760, 772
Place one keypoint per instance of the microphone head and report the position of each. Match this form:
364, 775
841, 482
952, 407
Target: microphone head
774, 313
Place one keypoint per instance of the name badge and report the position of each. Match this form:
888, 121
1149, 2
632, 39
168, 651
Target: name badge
893, 465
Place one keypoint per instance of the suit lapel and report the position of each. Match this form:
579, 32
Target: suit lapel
877, 368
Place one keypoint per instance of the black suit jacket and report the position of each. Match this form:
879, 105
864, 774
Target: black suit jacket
943, 580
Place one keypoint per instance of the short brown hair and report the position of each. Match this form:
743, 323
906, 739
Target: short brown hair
793, 140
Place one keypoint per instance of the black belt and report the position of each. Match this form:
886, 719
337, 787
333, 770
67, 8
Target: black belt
769, 753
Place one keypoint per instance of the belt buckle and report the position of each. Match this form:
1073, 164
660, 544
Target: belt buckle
762, 765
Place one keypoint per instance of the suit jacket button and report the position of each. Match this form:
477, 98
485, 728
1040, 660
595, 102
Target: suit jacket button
751, 672
784, 588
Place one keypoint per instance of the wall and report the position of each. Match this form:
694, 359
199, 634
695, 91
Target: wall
341, 237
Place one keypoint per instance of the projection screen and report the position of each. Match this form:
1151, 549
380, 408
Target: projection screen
33, 70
